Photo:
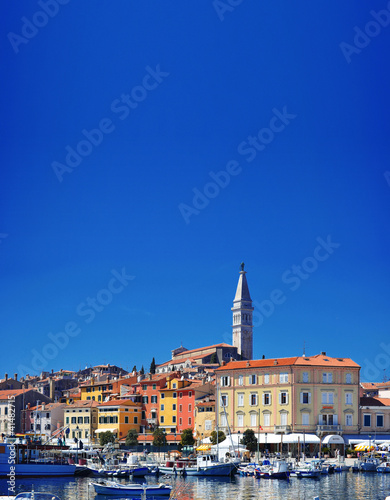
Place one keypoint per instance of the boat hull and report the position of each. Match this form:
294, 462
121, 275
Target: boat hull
149, 491
36, 470
227, 469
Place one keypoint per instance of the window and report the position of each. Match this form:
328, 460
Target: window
327, 398
67, 420
136, 420
174, 385
240, 380
99, 398
126, 420
253, 399
162, 407
162, 419
190, 394
86, 420
253, 417
224, 400
327, 378
283, 418
266, 378
189, 407
283, 378
153, 399
266, 398
348, 398
174, 395
240, 399
225, 381
6, 411
47, 415
379, 420
143, 415
162, 395
305, 376
348, 419
223, 420
305, 398
240, 420
180, 421
252, 379
366, 420
174, 419
145, 399
207, 425
73, 420
144, 387
348, 378
267, 419
180, 395
154, 387
173, 407
189, 421
305, 418
283, 398
180, 408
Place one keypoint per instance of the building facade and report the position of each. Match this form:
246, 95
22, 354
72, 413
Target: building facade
80, 421
316, 394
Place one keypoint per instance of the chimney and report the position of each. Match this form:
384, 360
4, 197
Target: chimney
275, 362
15, 376
323, 353
6, 376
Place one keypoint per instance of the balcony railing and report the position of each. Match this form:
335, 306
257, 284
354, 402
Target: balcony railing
337, 429
151, 421
282, 429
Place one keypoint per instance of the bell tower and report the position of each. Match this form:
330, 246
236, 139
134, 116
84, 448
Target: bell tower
242, 318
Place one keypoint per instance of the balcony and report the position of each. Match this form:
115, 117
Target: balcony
282, 429
334, 429
152, 421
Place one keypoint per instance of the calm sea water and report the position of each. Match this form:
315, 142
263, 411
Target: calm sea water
343, 486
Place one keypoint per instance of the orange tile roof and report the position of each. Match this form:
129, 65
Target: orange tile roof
369, 385
257, 363
13, 392
119, 402
81, 404
323, 360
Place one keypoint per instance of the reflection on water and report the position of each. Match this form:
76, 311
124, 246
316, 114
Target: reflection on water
345, 486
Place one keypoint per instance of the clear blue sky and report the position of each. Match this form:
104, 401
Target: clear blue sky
262, 92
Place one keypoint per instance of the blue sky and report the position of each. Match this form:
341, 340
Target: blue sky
166, 142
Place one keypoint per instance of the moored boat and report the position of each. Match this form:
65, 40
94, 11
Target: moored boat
383, 467
277, 470
307, 470
111, 488
205, 465
370, 465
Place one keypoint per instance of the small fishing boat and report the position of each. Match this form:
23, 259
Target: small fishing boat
110, 488
306, 470
383, 467
205, 465
277, 470
370, 465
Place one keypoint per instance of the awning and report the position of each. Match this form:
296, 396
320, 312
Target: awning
333, 439
98, 431
204, 447
302, 438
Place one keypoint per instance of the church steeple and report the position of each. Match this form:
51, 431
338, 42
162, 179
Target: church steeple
242, 318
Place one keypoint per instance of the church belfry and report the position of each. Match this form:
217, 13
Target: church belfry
242, 318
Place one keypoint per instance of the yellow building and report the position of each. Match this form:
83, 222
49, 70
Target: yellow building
81, 419
317, 394
204, 418
119, 416
168, 403
96, 390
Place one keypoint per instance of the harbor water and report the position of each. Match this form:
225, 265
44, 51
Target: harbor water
343, 486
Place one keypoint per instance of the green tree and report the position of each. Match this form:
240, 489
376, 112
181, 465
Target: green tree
153, 366
187, 437
249, 440
142, 371
132, 438
159, 437
213, 437
214, 359
106, 437
134, 369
